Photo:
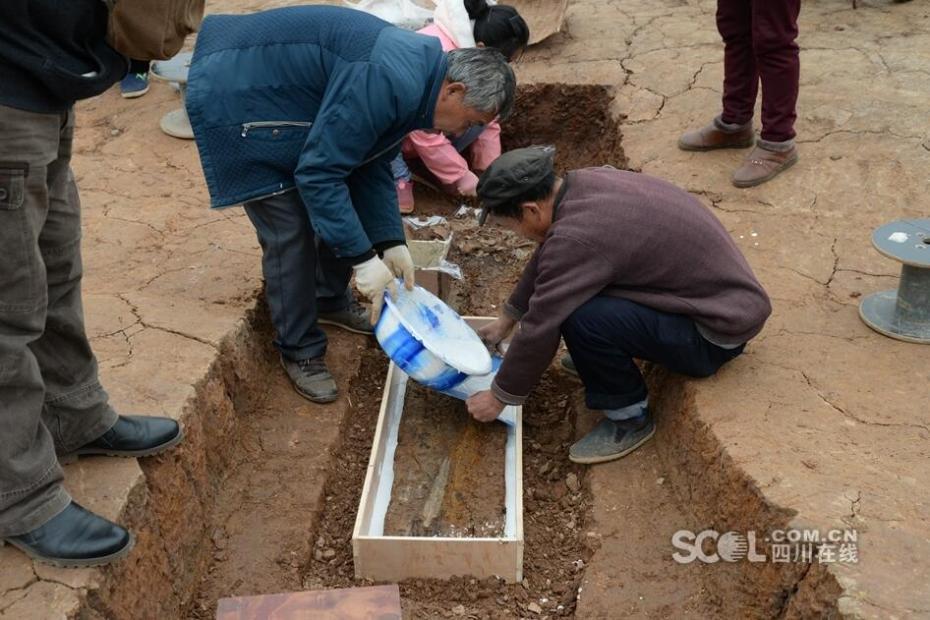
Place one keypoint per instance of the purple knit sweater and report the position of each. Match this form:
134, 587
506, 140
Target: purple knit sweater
629, 235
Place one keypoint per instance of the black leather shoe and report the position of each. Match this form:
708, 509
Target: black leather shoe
133, 436
74, 538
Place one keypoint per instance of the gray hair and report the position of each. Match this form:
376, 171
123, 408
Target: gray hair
489, 81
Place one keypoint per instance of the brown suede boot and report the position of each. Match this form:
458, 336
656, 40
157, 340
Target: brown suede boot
716, 136
763, 164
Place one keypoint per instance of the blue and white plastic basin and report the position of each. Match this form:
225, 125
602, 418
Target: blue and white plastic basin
429, 341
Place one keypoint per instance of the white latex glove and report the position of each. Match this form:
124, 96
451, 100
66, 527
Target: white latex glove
399, 261
371, 278
468, 184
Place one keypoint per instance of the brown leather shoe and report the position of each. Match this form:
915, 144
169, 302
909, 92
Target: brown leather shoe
762, 165
713, 137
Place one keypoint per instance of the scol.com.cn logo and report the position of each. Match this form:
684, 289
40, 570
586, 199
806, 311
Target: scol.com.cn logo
791, 545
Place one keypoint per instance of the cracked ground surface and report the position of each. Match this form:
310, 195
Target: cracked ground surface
827, 419
825, 416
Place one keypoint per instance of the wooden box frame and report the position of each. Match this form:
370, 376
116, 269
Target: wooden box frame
394, 558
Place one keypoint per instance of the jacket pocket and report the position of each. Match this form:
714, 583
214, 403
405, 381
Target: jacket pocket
12, 184
106, 68
20, 258
276, 130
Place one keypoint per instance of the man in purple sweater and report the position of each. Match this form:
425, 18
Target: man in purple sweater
628, 266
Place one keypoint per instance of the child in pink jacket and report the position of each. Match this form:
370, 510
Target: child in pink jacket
496, 26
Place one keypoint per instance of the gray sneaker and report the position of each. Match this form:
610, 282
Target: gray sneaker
311, 379
356, 318
568, 364
610, 440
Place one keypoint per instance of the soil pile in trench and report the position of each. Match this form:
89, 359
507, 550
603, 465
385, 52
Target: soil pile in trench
576, 119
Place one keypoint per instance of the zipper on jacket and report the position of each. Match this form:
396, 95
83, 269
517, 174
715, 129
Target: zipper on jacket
261, 124
264, 124
381, 152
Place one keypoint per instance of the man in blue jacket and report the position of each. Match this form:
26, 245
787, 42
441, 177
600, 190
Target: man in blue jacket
52, 53
297, 113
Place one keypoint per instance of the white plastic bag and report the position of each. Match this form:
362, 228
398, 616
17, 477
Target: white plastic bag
452, 18
401, 13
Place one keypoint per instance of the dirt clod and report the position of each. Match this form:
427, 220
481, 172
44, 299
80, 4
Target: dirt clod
571, 481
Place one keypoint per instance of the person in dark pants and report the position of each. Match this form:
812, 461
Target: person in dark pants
316, 101
52, 406
300, 297
759, 44
628, 266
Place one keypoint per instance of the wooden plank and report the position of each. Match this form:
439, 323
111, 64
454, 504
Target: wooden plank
518, 561
373, 473
382, 602
394, 558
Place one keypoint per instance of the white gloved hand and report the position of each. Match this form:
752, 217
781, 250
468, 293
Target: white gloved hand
468, 184
371, 278
399, 261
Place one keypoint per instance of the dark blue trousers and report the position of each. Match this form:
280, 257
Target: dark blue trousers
302, 275
606, 333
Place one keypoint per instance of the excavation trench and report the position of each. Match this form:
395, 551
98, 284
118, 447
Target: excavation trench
263, 496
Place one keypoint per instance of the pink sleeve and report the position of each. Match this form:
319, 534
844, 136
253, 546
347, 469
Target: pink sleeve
487, 147
438, 154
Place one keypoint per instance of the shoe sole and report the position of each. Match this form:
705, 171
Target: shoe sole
68, 563
738, 145
129, 454
756, 182
134, 94
591, 460
354, 330
320, 400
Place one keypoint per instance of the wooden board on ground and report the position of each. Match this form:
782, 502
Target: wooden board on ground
394, 558
382, 602
544, 17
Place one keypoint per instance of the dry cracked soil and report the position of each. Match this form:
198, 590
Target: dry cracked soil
820, 424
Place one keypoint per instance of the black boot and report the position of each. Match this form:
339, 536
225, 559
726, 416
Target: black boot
132, 436
74, 538
312, 379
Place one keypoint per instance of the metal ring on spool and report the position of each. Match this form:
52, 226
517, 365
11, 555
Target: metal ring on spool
175, 123
903, 314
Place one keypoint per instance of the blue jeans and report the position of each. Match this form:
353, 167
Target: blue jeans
400, 169
302, 275
606, 333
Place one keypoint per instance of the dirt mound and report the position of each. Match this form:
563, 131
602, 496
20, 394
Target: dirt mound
576, 119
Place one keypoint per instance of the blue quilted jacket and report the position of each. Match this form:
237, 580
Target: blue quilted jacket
317, 98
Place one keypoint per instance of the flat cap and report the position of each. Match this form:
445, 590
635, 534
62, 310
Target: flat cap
512, 174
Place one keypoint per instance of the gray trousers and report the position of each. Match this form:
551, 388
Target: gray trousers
302, 275
50, 398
